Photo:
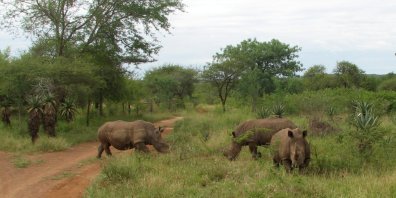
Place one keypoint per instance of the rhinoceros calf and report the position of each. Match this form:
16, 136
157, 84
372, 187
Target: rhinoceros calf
124, 135
291, 149
255, 133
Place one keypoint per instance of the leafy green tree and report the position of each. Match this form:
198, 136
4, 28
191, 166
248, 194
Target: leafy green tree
171, 82
293, 85
389, 84
109, 33
223, 75
314, 76
5, 101
204, 92
260, 62
135, 93
349, 75
127, 26
5, 111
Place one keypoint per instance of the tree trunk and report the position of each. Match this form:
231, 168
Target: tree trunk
254, 103
88, 110
101, 104
5, 116
49, 120
137, 110
123, 108
34, 124
169, 105
223, 105
151, 106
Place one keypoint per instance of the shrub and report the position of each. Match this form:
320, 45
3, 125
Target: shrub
366, 123
279, 110
263, 113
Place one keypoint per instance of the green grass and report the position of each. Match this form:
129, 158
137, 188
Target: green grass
63, 175
21, 161
195, 167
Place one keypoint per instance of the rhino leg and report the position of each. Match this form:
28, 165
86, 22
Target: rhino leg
303, 167
100, 151
288, 165
275, 159
107, 149
253, 150
141, 147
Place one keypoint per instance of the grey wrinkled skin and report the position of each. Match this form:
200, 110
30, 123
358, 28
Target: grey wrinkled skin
261, 131
124, 135
291, 149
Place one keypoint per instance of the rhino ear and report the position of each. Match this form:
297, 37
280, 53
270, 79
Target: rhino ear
290, 134
233, 134
161, 129
305, 133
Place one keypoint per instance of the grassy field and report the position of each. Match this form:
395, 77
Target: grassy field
195, 167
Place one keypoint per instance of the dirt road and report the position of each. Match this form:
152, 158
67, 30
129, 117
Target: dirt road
59, 174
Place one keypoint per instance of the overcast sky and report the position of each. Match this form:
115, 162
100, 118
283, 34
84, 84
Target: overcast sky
360, 31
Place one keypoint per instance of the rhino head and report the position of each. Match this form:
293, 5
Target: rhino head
158, 142
297, 147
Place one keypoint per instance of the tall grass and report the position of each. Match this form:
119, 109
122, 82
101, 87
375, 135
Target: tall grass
195, 167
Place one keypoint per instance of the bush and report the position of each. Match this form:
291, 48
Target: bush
366, 123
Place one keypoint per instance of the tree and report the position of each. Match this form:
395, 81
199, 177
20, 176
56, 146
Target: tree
348, 74
258, 63
170, 82
127, 26
136, 91
389, 84
316, 78
222, 74
108, 32
5, 101
5, 107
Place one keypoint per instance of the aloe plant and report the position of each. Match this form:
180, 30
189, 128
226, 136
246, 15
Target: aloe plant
68, 110
366, 123
35, 113
49, 115
331, 112
263, 113
278, 110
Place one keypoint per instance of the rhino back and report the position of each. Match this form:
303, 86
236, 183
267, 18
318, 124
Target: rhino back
269, 125
119, 134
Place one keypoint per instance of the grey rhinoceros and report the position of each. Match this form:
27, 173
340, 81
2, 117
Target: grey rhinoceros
291, 149
124, 135
255, 133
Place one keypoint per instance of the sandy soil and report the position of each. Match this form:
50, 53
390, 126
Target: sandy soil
59, 174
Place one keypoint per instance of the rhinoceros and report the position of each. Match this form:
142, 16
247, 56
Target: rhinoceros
255, 133
291, 149
124, 135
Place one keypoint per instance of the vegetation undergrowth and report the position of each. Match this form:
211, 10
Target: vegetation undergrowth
196, 167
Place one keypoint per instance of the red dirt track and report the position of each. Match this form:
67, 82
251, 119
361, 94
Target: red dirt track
59, 174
